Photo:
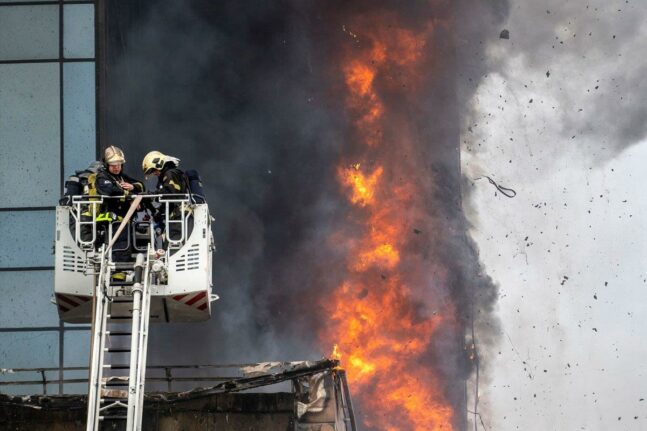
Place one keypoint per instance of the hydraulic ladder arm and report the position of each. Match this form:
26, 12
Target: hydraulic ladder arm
105, 403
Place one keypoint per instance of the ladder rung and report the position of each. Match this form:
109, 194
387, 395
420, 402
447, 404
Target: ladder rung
116, 367
122, 301
111, 384
108, 418
118, 333
116, 350
110, 317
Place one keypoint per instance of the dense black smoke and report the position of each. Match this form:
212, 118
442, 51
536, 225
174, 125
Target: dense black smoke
249, 94
235, 91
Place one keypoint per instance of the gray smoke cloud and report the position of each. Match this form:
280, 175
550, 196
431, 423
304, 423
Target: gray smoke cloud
567, 83
595, 43
571, 73
561, 96
248, 94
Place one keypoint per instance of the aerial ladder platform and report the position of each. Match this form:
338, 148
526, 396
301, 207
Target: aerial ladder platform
166, 279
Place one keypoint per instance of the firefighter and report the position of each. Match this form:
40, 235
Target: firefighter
170, 180
111, 181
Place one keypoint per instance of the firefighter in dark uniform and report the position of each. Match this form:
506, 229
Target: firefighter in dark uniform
113, 182
170, 180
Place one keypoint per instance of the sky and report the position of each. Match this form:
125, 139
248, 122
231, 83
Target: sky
560, 118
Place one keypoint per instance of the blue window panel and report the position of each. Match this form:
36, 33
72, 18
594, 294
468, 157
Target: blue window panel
77, 348
79, 116
77, 354
78, 31
33, 389
29, 32
29, 134
27, 350
77, 388
27, 239
26, 299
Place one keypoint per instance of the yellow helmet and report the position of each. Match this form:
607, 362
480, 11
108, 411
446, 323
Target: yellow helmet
156, 160
113, 156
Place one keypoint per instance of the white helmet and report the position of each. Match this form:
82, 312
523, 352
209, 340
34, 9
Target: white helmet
113, 156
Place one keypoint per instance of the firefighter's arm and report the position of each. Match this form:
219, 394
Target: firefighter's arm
138, 186
107, 187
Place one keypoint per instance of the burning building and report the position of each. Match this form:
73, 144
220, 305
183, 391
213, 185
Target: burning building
327, 135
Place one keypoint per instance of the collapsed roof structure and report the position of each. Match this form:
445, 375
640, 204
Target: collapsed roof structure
319, 400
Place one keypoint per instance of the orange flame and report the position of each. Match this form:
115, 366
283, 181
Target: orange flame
363, 186
377, 328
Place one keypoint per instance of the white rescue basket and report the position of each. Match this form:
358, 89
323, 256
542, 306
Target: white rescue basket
182, 287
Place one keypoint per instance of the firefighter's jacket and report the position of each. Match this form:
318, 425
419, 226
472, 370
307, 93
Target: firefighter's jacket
172, 181
107, 184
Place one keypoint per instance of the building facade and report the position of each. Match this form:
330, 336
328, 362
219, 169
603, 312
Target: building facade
48, 129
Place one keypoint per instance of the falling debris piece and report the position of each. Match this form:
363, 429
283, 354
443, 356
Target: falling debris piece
417, 231
505, 191
505, 34
548, 74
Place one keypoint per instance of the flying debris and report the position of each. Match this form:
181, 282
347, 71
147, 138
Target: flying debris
505, 191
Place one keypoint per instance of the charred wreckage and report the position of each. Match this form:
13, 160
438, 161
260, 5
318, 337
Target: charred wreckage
318, 400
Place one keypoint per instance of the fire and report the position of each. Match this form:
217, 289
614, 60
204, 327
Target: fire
363, 186
379, 326
383, 255
335, 353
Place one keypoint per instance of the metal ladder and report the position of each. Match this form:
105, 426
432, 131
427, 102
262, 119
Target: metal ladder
105, 403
